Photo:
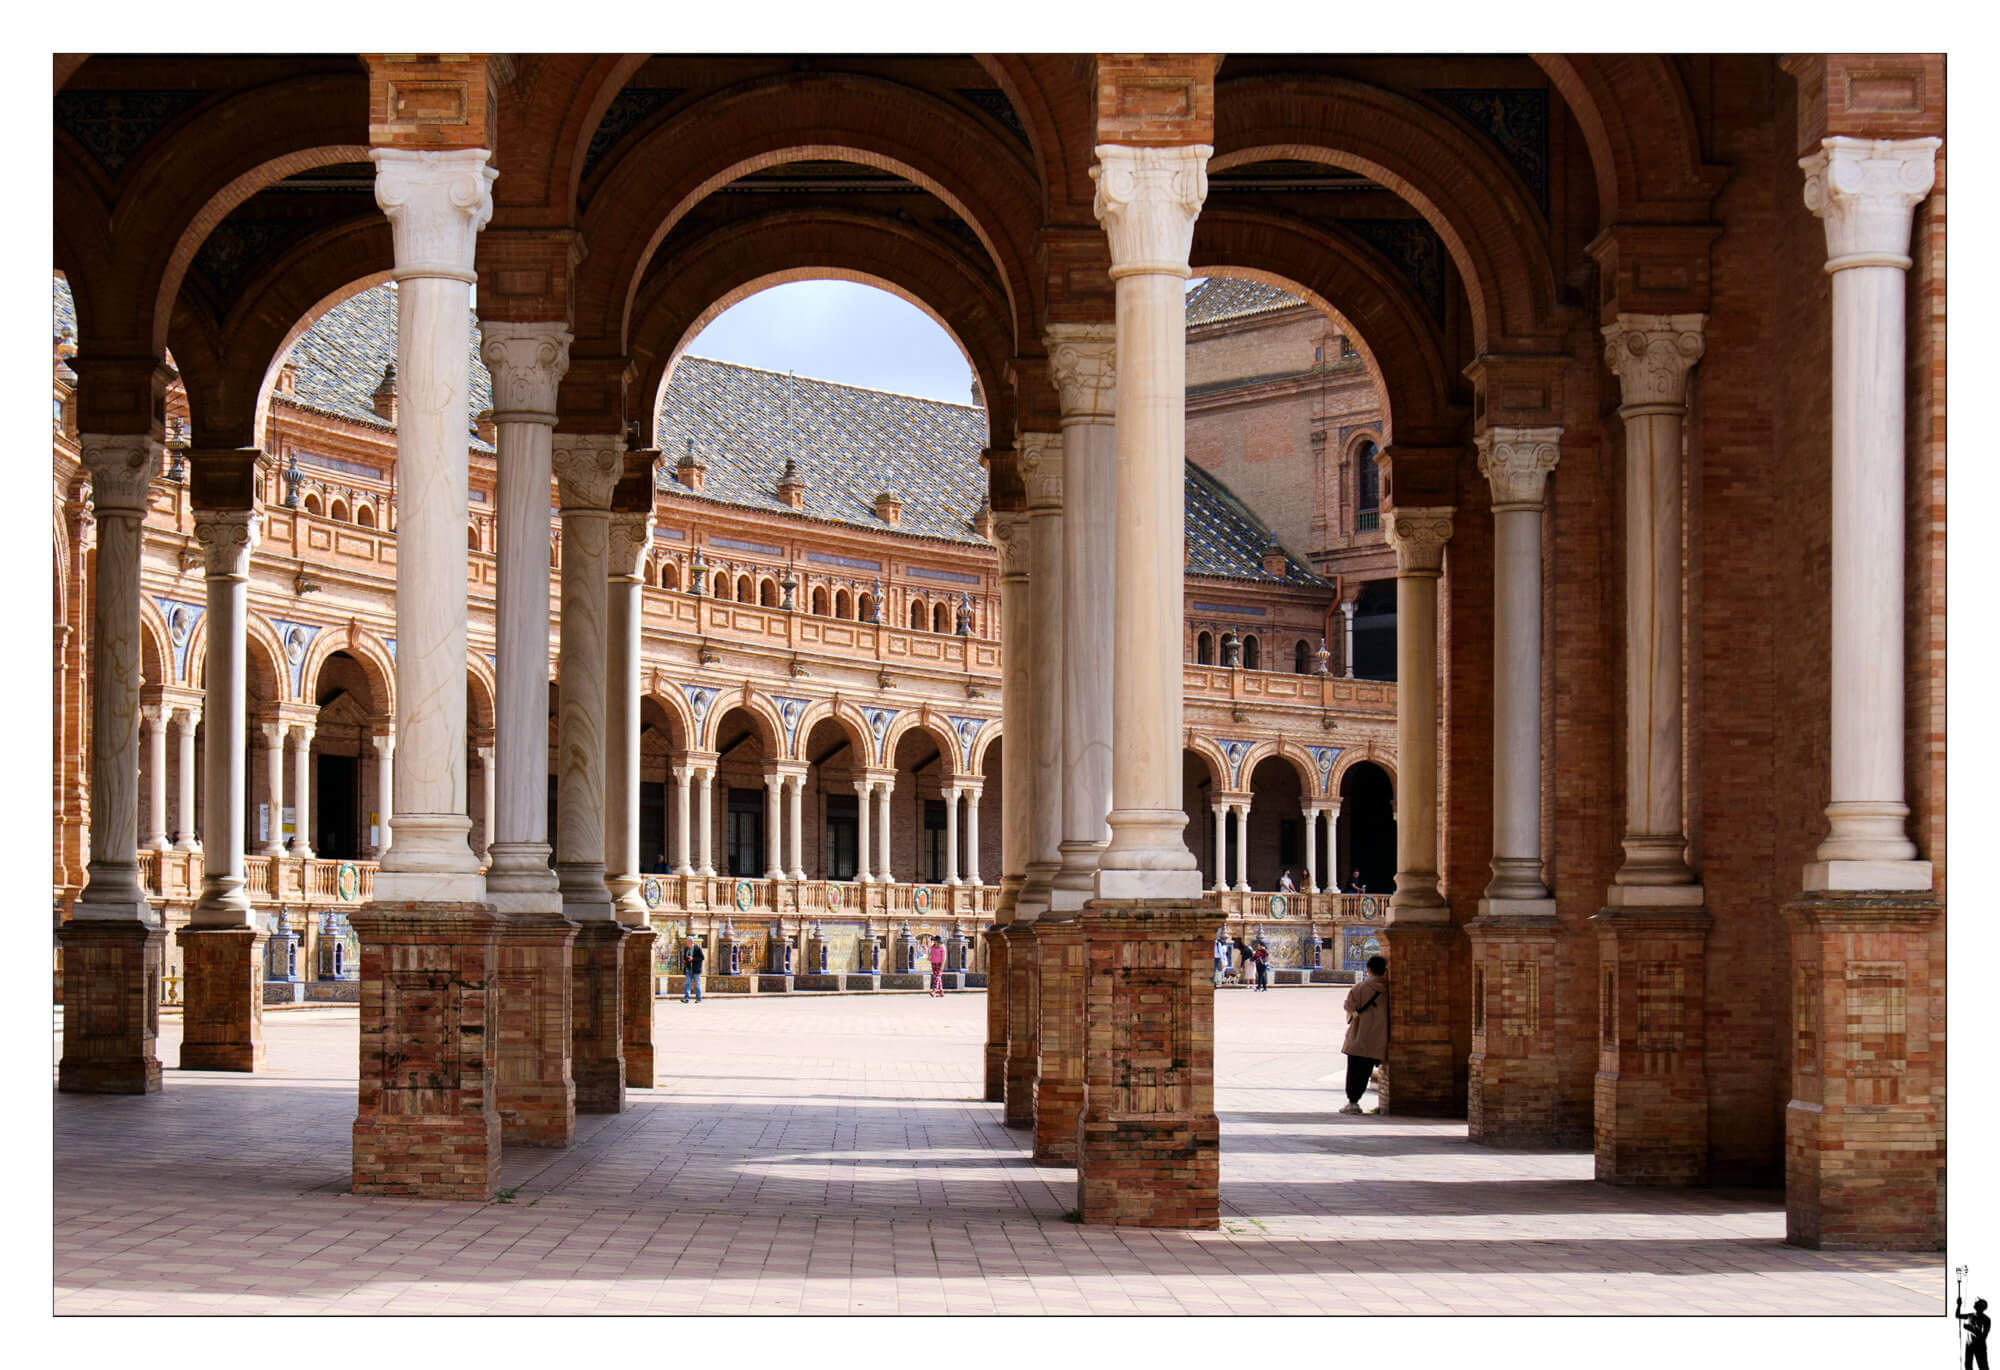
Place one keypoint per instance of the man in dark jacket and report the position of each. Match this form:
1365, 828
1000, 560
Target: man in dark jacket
692, 959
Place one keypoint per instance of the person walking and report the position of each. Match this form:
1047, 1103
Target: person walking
1221, 955
1242, 962
1367, 1041
1261, 958
692, 960
937, 968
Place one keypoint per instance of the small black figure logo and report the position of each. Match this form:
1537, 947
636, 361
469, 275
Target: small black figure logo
1973, 1326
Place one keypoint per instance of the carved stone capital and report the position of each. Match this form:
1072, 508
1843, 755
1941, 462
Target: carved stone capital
527, 362
122, 467
1866, 189
1516, 463
631, 536
1041, 465
1419, 535
1083, 363
227, 538
436, 202
1147, 199
587, 467
1651, 354
1010, 538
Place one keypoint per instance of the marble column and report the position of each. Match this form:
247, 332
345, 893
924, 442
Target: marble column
1147, 199
774, 837
185, 722
1347, 629
864, 791
631, 535
951, 797
302, 737
1221, 812
705, 816
384, 743
227, 538
683, 862
1242, 848
1017, 782
489, 784
1083, 365
156, 777
1312, 816
273, 735
797, 795
882, 835
972, 836
1041, 465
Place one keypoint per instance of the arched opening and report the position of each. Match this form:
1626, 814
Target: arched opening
481, 791
472, 537
865, 608
820, 604
746, 593
1375, 631
1277, 824
1367, 829
941, 617
767, 593
312, 504
745, 750
832, 810
1301, 658
1198, 792
919, 620
917, 823
338, 510
1253, 658
670, 575
1204, 648
843, 604
364, 515
343, 794
661, 747
1367, 488
721, 588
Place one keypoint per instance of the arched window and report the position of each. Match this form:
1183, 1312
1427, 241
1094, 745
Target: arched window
670, 575
337, 510
1367, 488
1252, 661
865, 610
1204, 648
472, 537
767, 593
364, 516
843, 604
745, 592
819, 600
1300, 658
918, 619
312, 504
720, 589
941, 618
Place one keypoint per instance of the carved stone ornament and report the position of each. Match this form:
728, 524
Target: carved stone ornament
631, 537
1083, 363
1651, 354
436, 202
1147, 199
527, 362
1516, 463
1010, 538
227, 538
1041, 466
122, 467
1865, 189
587, 467
1419, 536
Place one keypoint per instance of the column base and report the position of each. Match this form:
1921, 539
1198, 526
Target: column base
1148, 1141
1864, 1152
1059, 1072
1651, 1104
1513, 1086
598, 1021
111, 1004
427, 1125
1023, 1026
1420, 1077
638, 1007
996, 1014
222, 1023
535, 1093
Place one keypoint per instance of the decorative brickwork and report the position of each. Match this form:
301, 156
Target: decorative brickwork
535, 1093
1059, 1085
1652, 1075
997, 986
637, 1003
427, 1126
222, 1022
1024, 1000
1417, 1079
1148, 1143
1863, 1139
597, 1025
111, 1008
1515, 1096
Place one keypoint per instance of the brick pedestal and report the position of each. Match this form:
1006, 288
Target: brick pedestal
597, 1036
996, 1015
1863, 1141
222, 1023
427, 1126
638, 1007
536, 1091
1024, 1025
1652, 1075
1419, 1078
111, 1007
1513, 1095
1059, 1082
1148, 1143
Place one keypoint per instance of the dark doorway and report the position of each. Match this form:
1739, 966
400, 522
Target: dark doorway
1368, 828
746, 832
337, 808
934, 832
652, 825
1375, 631
843, 834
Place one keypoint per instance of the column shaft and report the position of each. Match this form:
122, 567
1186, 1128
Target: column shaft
1221, 812
227, 537
302, 792
865, 792
186, 721
587, 468
1242, 848
1312, 849
1017, 782
1041, 459
951, 837
797, 784
683, 862
631, 535
774, 811
707, 817
156, 778
385, 784
883, 834
972, 837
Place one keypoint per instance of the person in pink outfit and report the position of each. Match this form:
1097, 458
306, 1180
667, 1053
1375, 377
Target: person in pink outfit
937, 967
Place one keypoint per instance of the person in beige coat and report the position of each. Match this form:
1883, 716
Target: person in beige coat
1367, 1041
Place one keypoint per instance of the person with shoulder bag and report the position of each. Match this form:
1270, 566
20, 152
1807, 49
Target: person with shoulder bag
1367, 1041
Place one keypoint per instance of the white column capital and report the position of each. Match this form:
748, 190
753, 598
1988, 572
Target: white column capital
1041, 464
527, 362
631, 536
383, 741
1516, 463
188, 717
1866, 189
122, 467
1010, 539
227, 538
587, 467
1419, 534
1651, 354
436, 202
155, 714
1083, 364
302, 734
1147, 200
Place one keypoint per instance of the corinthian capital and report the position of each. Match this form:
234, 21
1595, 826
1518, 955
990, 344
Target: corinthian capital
227, 538
527, 361
1147, 199
1651, 354
1083, 363
1865, 189
1010, 538
1419, 536
1516, 463
587, 467
631, 535
1041, 466
436, 202
122, 467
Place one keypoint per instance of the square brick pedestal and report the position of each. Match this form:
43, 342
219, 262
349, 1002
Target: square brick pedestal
1513, 1095
1420, 1079
597, 971
996, 1015
536, 1092
427, 1126
1652, 1070
222, 1023
1024, 1025
1863, 1143
1059, 1082
1148, 1145
638, 1007
111, 1006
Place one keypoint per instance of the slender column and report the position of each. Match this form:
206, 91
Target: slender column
274, 787
1147, 199
156, 777
488, 800
587, 468
1419, 536
1221, 812
774, 812
1017, 783
186, 721
865, 791
1041, 464
631, 535
797, 784
302, 737
706, 815
1866, 191
1313, 813
972, 836
1242, 848
384, 743
882, 833
683, 864
1347, 628
227, 537
951, 797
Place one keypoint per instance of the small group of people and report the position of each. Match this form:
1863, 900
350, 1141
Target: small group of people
693, 958
1247, 954
1287, 885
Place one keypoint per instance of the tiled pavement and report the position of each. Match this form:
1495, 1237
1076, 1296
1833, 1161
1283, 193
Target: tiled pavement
829, 1155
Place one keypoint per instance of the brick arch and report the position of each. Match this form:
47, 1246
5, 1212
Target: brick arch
1639, 127
1057, 105
846, 719
1210, 753
760, 709
1351, 757
546, 120
155, 643
377, 666
266, 673
673, 703
482, 706
1288, 752
1494, 231
982, 743
922, 721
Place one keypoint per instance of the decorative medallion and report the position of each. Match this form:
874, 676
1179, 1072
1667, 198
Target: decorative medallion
921, 900
833, 897
699, 697
878, 725
744, 894
181, 620
297, 639
1323, 759
347, 881
1370, 906
1233, 751
790, 711
1277, 906
650, 891
967, 730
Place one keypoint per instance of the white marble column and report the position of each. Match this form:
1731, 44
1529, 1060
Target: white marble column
797, 795
631, 535
972, 798
1221, 812
436, 203
683, 860
1147, 199
1312, 814
1516, 463
882, 833
1242, 848
1041, 465
1017, 655
1347, 621
774, 837
488, 785
302, 737
1418, 535
156, 777
384, 742
186, 720
527, 362
864, 791
951, 798
1083, 365
1651, 354
274, 787
587, 467
706, 815
1866, 191
227, 538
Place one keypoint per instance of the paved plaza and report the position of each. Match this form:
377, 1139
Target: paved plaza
831, 1155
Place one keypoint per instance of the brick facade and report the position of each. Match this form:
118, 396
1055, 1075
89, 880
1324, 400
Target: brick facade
222, 1020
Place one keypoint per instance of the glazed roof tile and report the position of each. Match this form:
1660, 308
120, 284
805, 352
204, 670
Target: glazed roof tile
1220, 298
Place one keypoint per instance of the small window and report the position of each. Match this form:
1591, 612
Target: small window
1301, 659
843, 604
1368, 488
1204, 649
670, 575
472, 537
364, 516
745, 592
312, 504
1251, 658
866, 609
918, 618
940, 620
338, 510
819, 601
767, 593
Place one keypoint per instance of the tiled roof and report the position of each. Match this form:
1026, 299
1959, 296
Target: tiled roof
341, 359
1225, 539
1226, 297
65, 311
